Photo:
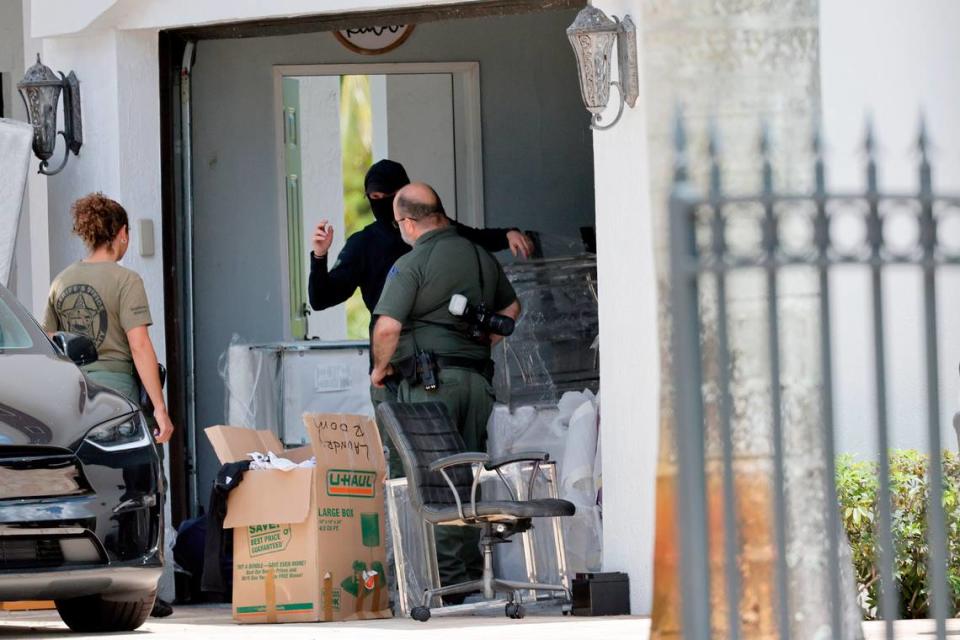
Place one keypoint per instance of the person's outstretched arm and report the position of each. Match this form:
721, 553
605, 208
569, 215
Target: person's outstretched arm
494, 240
329, 287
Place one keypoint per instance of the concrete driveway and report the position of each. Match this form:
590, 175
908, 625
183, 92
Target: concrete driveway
214, 622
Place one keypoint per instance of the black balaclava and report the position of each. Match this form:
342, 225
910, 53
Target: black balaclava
385, 176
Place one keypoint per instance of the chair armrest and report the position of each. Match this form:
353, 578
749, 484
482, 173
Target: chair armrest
510, 458
469, 457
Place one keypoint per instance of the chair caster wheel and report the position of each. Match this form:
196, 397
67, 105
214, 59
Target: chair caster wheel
420, 614
515, 611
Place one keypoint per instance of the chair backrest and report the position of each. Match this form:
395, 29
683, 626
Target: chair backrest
423, 432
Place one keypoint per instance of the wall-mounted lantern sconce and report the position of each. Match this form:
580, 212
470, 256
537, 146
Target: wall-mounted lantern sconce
40, 90
592, 36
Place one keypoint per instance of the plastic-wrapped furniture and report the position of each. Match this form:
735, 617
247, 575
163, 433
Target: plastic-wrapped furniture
540, 554
553, 348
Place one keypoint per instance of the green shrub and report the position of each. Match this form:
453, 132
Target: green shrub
857, 486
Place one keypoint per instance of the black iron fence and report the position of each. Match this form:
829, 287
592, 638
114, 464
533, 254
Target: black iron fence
702, 258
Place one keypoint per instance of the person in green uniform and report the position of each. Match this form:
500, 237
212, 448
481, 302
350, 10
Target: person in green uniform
98, 298
412, 317
368, 255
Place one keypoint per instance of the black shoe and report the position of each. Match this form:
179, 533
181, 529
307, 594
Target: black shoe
161, 609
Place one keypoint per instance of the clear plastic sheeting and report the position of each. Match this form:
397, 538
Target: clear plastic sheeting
271, 386
534, 556
414, 564
250, 377
569, 432
553, 348
526, 429
15, 141
538, 555
552, 245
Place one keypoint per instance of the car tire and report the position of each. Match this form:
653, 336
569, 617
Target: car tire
91, 614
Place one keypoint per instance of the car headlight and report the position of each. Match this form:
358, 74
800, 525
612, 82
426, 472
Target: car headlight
119, 436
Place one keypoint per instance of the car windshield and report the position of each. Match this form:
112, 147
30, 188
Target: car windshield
18, 330
13, 335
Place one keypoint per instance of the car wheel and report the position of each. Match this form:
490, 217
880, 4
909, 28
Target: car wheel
96, 614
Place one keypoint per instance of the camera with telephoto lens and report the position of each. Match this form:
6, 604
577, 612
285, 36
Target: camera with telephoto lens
480, 322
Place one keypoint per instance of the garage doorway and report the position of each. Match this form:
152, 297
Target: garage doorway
531, 167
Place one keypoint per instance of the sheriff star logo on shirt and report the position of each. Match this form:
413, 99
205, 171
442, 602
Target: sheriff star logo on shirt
82, 311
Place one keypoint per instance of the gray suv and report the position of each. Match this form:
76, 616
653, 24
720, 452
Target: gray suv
81, 490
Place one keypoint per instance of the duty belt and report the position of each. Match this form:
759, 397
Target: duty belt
408, 367
483, 367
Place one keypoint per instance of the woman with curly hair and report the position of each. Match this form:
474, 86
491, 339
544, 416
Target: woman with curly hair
106, 302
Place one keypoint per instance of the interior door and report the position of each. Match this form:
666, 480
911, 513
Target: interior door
420, 133
294, 199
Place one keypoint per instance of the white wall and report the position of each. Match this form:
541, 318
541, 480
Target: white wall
892, 61
119, 92
97, 167
629, 355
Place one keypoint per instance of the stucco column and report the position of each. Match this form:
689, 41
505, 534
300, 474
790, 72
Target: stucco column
629, 358
138, 166
741, 62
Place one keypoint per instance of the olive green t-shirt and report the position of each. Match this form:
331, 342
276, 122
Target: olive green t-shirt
100, 300
419, 287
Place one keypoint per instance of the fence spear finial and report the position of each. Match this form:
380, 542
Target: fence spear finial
870, 149
923, 146
816, 144
713, 149
923, 137
765, 147
869, 138
816, 139
680, 173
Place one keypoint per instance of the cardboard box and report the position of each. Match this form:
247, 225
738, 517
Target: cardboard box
308, 544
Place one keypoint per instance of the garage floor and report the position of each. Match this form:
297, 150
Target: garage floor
214, 622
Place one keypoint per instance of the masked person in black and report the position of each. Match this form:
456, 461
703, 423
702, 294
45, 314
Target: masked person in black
368, 254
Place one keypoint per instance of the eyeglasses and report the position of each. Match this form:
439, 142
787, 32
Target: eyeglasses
396, 223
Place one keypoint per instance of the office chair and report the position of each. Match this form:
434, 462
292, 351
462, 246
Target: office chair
443, 489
